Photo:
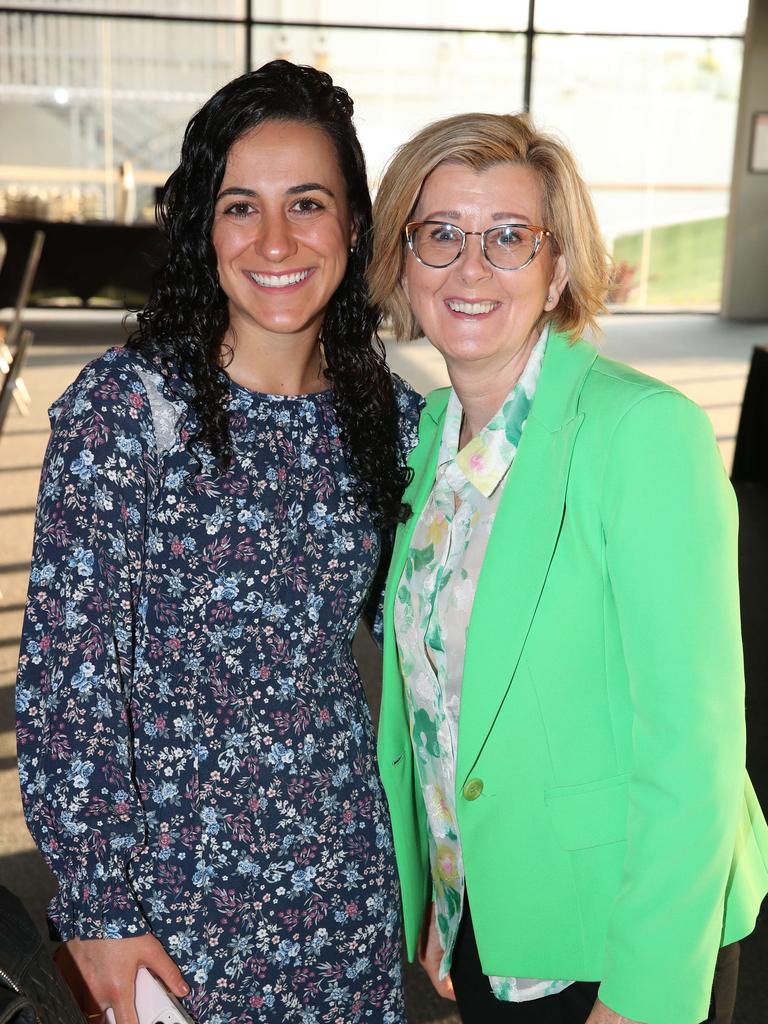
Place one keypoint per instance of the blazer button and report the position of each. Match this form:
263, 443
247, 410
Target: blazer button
473, 789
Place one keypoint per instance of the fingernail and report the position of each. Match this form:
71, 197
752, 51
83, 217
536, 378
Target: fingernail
183, 989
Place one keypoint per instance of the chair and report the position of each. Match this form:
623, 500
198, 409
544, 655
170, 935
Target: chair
21, 395
750, 459
9, 343
13, 376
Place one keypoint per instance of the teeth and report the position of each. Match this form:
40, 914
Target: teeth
279, 280
471, 308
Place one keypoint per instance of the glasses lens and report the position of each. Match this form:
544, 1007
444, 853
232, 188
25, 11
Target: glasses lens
509, 246
435, 244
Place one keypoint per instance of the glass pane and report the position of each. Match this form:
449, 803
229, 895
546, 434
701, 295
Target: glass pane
684, 17
81, 96
202, 8
652, 123
491, 14
402, 80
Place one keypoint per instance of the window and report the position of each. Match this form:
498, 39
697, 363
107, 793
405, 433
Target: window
647, 97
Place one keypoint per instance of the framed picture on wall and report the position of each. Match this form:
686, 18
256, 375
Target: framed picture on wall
758, 149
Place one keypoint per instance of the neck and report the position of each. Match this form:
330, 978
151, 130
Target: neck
482, 385
275, 364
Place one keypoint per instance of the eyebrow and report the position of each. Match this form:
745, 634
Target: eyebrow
310, 186
511, 218
503, 215
294, 190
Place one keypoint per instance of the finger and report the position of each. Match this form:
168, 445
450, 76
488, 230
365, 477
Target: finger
443, 986
448, 992
167, 971
124, 1009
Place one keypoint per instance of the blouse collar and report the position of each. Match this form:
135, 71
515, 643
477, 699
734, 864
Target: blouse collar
483, 463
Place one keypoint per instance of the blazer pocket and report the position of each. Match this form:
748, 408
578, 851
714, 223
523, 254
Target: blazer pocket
391, 769
592, 814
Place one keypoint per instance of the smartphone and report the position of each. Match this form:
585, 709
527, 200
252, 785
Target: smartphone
154, 1003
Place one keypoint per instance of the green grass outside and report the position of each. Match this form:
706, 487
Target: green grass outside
686, 263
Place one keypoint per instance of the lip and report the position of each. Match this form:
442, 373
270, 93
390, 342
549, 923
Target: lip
276, 289
466, 315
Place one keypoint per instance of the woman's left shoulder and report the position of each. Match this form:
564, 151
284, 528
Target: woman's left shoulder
409, 404
635, 424
614, 392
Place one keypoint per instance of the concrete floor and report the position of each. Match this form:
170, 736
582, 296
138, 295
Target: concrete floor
706, 359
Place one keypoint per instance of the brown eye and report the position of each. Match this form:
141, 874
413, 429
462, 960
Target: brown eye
238, 210
306, 205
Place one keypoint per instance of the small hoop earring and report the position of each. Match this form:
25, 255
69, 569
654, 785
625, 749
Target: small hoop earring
351, 249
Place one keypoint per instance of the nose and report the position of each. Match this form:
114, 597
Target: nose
275, 240
473, 266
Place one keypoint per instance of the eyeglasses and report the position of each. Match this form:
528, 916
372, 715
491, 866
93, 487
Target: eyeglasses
505, 246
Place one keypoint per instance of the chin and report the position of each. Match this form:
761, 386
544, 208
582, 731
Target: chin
465, 352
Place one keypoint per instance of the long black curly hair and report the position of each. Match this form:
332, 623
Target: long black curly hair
183, 324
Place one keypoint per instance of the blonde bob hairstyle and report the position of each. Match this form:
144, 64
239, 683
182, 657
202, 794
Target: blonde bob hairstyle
481, 141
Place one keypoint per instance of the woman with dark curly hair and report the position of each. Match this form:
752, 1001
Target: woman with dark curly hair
195, 749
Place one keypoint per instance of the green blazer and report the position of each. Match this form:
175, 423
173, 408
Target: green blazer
609, 830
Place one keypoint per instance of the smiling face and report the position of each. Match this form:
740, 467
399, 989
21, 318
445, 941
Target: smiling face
471, 311
281, 230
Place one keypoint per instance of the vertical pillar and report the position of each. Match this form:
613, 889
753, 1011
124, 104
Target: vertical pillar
745, 275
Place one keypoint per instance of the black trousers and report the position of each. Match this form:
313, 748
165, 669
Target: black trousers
478, 1005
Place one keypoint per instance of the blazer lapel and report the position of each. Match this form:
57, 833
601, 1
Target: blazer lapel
521, 545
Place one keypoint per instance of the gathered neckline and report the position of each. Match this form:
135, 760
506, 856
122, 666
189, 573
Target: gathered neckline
269, 397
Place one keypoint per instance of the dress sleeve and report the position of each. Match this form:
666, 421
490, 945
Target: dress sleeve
410, 404
77, 652
670, 525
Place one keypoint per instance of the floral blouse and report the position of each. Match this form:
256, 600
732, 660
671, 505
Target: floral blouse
196, 754
432, 612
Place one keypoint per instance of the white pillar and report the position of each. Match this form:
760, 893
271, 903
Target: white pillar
745, 274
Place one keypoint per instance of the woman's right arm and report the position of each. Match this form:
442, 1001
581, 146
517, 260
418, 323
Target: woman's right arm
76, 662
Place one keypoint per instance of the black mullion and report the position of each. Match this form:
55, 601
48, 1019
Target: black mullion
528, 73
208, 19
214, 20
638, 35
195, 19
248, 34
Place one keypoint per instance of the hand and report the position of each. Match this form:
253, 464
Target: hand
602, 1015
102, 973
431, 953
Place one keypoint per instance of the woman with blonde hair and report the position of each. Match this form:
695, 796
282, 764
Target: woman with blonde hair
562, 735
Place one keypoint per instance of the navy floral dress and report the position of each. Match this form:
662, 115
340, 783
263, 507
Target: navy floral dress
195, 750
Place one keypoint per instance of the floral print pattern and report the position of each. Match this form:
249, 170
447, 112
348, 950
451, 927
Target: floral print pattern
432, 611
195, 750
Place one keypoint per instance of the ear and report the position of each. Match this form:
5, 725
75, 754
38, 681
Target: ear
353, 233
557, 282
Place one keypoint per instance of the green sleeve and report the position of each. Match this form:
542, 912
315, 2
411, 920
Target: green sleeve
670, 524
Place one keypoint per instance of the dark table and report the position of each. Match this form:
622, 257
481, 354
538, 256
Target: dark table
82, 260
